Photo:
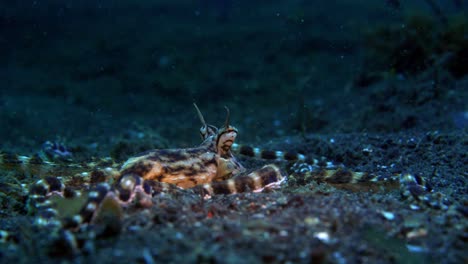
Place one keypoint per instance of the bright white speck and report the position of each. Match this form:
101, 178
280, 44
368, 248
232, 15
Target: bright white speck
41, 221
388, 215
416, 249
91, 207
256, 151
51, 210
367, 150
332, 140
235, 146
78, 219
46, 203
323, 236
127, 184
300, 157
3, 233
279, 154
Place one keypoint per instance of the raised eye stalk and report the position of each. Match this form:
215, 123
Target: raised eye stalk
200, 114
226, 125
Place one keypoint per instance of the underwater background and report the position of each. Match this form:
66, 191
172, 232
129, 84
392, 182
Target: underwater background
333, 79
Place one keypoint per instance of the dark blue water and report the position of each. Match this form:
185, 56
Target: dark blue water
82, 69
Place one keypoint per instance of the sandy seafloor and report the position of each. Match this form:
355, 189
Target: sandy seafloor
115, 79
